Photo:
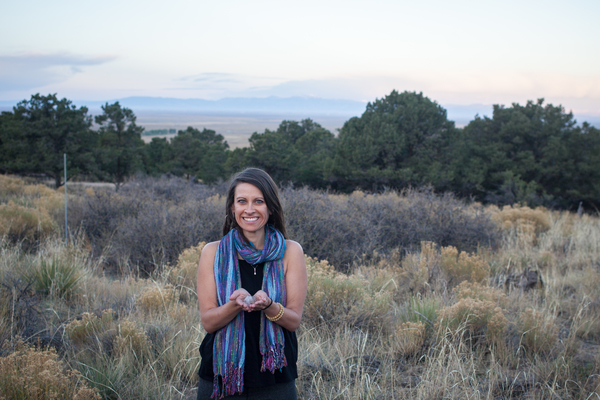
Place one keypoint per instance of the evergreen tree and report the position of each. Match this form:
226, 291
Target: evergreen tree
397, 142
199, 153
120, 144
39, 131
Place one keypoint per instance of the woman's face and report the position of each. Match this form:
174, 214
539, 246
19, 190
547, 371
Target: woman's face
249, 208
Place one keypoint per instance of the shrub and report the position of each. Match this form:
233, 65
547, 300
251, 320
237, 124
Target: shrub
57, 278
151, 221
33, 374
148, 223
21, 223
88, 329
538, 331
335, 298
418, 269
131, 340
527, 222
476, 317
343, 229
475, 290
408, 339
183, 275
157, 300
460, 267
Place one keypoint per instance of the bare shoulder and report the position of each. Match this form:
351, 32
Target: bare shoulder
293, 250
293, 246
208, 252
211, 248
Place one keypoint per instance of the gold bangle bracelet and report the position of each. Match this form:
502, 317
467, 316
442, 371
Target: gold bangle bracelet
279, 314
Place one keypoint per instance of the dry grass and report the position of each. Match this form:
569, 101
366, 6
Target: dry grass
28, 373
425, 321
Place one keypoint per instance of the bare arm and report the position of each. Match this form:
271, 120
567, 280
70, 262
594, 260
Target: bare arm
213, 316
296, 283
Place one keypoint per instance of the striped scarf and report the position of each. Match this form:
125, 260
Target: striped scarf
229, 350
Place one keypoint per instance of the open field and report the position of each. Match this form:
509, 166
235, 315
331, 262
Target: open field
235, 128
424, 298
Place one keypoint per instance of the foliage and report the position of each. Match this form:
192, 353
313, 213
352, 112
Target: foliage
38, 374
57, 278
296, 152
120, 145
397, 142
369, 343
461, 267
335, 298
532, 154
40, 131
21, 223
198, 153
156, 299
475, 317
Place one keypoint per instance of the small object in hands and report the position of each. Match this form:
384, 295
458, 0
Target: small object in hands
249, 300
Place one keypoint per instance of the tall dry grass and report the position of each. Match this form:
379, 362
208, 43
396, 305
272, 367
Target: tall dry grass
428, 319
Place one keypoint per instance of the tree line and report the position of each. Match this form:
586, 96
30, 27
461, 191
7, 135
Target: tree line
533, 153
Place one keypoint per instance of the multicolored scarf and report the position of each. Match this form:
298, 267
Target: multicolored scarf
229, 350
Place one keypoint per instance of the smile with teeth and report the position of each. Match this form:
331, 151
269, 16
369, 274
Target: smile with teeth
250, 219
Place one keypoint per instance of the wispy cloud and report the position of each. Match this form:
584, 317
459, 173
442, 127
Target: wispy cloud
32, 70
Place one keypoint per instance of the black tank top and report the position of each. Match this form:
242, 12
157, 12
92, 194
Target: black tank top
252, 375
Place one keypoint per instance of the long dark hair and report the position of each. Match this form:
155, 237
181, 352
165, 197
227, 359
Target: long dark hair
265, 184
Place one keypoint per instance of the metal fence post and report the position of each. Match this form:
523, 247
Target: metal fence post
66, 226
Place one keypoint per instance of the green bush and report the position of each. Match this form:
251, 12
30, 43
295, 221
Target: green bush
57, 278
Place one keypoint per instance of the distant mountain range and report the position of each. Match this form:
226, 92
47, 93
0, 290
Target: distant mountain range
306, 106
274, 106
244, 105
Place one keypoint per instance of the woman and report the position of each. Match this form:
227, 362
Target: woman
251, 289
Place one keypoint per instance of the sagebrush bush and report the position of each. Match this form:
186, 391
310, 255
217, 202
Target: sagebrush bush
87, 329
131, 340
527, 222
408, 339
417, 271
157, 299
463, 266
476, 317
38, 374
148, 223
343, 229
183, 275
21, 223
475, 290
335, 298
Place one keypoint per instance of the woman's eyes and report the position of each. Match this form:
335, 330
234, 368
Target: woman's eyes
242, 201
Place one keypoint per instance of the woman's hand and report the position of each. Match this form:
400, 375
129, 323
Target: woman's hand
261, 301
239, 296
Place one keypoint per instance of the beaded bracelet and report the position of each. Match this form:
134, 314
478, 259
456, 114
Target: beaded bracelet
279, 314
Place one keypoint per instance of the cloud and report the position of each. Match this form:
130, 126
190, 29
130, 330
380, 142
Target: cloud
33, 70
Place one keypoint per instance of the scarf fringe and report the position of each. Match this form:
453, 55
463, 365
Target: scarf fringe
231, 383
273, 359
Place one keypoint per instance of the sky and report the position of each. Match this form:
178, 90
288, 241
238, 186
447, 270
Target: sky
455, 52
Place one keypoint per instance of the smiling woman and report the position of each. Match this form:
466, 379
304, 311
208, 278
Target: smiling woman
251, 290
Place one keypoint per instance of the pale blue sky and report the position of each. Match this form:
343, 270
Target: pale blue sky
455, 52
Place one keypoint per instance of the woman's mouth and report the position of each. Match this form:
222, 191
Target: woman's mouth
250, 219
